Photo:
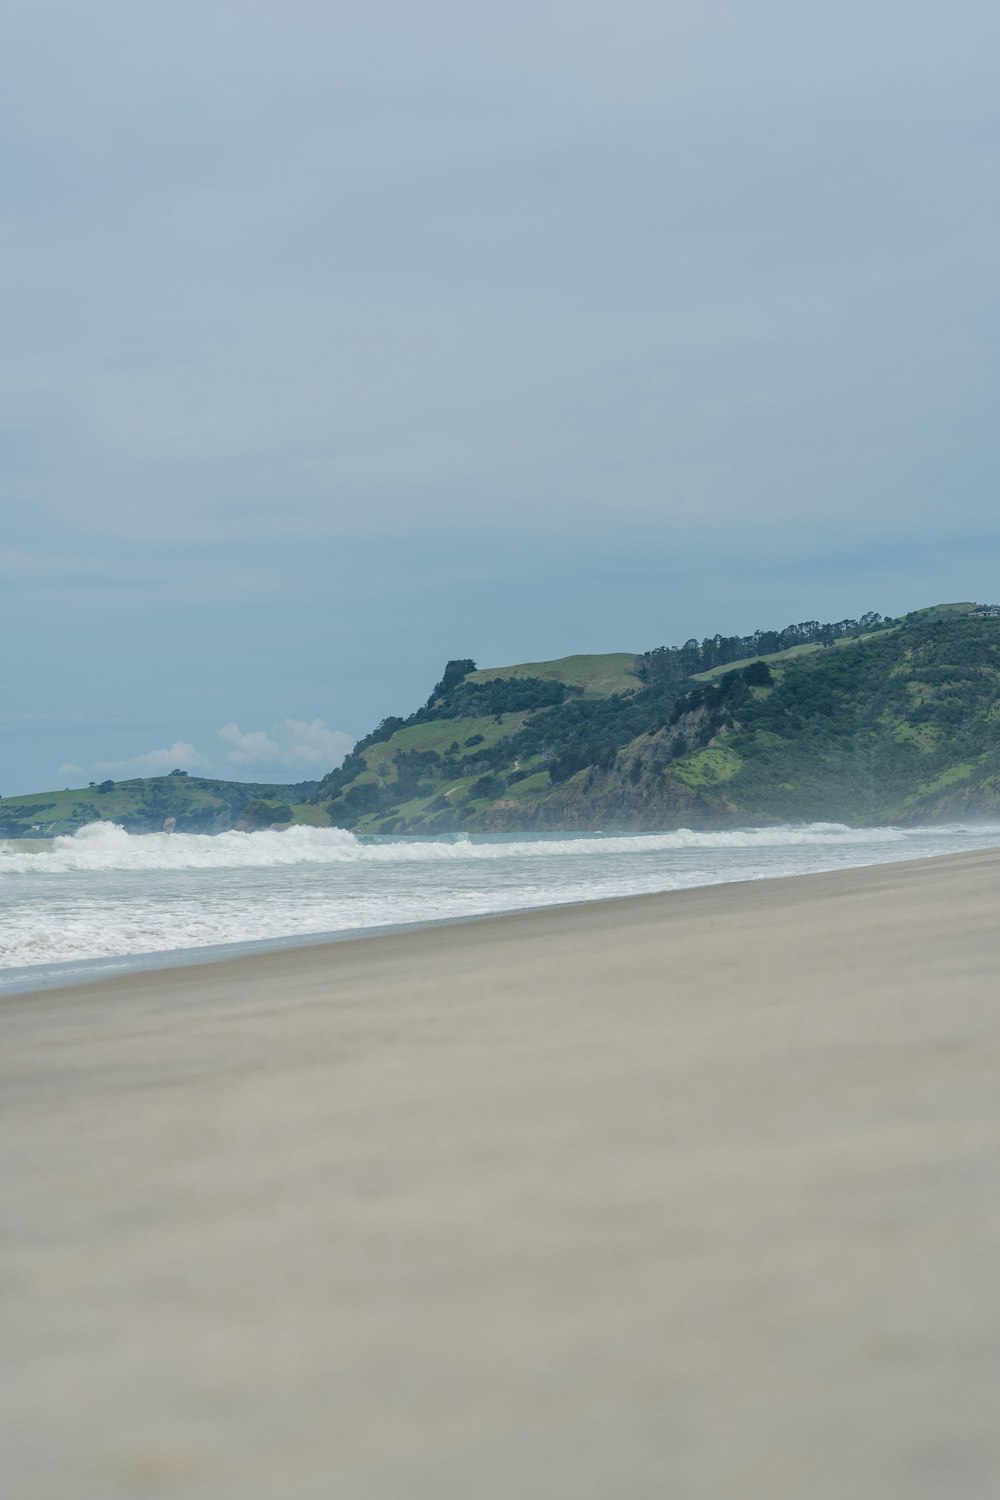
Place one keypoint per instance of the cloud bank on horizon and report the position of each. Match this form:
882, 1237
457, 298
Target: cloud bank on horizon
342, 340
293, 750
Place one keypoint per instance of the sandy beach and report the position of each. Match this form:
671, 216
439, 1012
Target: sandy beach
694, 1195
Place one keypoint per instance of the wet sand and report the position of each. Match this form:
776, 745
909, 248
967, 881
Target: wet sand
694, 1195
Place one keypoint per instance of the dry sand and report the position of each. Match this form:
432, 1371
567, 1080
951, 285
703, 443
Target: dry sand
693, 1195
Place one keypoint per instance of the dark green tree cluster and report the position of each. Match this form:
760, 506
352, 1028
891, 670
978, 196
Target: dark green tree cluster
591, 731
674, 664
454, 673
857, 734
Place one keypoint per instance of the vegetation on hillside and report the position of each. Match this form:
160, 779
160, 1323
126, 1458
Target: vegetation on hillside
196, 804
673, 664
868, 720
860, 720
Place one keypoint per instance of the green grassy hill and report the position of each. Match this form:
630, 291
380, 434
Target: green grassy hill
884, 720
475, 739
861, 721
197, 804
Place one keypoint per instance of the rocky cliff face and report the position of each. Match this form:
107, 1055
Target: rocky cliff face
634, 793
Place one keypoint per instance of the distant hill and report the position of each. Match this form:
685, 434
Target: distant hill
861, 721
197, 805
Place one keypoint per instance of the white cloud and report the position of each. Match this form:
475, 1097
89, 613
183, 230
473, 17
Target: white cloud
295, 749
179, 756
291, 745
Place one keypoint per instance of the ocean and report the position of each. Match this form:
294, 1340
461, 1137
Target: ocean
104, 901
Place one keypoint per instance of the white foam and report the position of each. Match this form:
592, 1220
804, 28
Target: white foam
106, 893
106, 846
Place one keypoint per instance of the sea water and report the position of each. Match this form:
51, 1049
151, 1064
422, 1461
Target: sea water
103, 900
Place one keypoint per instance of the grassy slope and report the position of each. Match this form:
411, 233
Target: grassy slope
795, 652
438, 734
610, 673
55, 812
900, 724
198, 804
597, 676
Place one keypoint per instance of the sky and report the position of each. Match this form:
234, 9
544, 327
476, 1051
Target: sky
342, 340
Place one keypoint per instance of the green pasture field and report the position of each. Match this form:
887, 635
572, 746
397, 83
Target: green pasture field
601, 676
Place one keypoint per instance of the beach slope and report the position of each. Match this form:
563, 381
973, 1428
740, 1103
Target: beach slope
691, 1195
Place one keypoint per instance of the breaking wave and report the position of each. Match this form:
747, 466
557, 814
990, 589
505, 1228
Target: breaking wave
105, 897
106, 846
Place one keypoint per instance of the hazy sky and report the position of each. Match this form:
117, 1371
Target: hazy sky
342, 339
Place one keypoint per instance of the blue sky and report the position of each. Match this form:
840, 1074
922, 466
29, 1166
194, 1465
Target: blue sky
341, 340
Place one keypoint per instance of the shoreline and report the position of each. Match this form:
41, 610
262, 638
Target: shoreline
692, 1193
74, 973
